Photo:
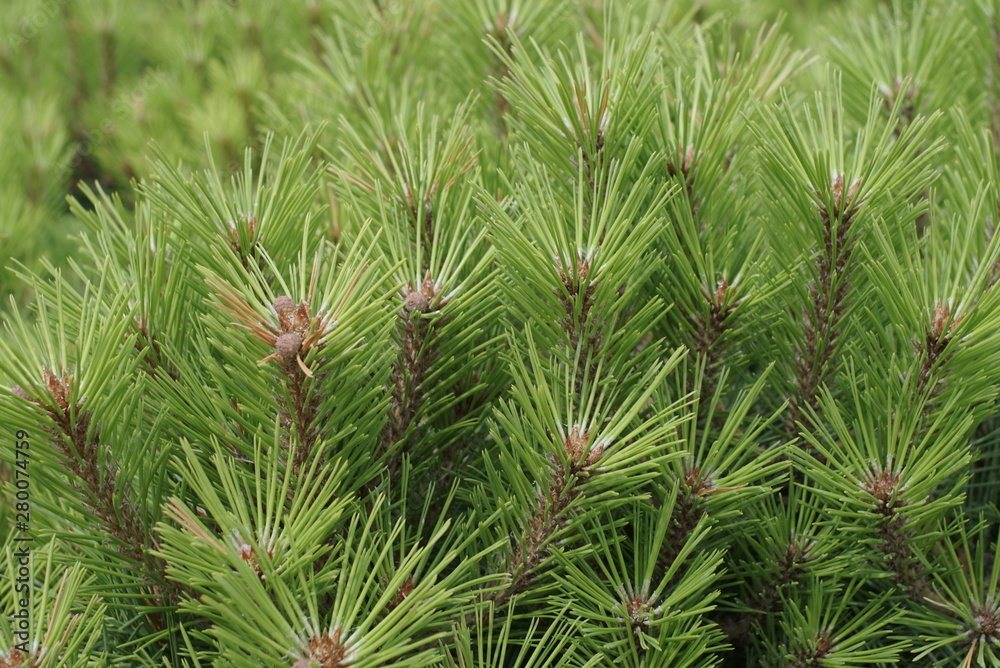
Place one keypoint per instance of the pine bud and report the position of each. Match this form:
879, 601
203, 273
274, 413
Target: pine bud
246, 553
288, 346
404, 590
303, 318
427, 287
838, 190
416, 301
883, 485
595, 453
18, 391
16, 658
59, 387
328, 650
285, 308
576, 448
720, 292
942, 314
283, 304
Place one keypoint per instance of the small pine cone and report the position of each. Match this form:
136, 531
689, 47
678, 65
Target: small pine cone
285, 308
288, 346
283, 304
416, 301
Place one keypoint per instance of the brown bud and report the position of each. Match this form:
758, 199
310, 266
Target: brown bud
576, 444
881, 484
853, 192
285, 308
838, 190
416, 301
688, 159
405, 590
941, 315
327, 650
638, 608
247, 555
283, 304
303, 317
15, 659
59, 387
18, 391
595, 454
427, 286
288, 345
720, 292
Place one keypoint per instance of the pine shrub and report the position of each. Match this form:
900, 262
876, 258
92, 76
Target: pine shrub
498, 333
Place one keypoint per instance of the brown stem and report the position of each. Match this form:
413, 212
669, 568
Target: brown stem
936, 340
297, 332
710, 327
931, 352
551, 514
595, 193
595, 160
766, 599
461, 411
706, 342
421, 217
410, 369
78, 444
688, 511
907, 112
894, 533
300, 412
828, 300
548, 518
155, 362
579, 284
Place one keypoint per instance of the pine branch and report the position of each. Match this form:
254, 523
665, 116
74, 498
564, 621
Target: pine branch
552, 506
78, 444
411, 367
821, 321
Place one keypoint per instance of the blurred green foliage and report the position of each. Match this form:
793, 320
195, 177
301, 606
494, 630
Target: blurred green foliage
85, 86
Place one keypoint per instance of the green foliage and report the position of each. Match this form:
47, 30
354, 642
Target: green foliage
495, 333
